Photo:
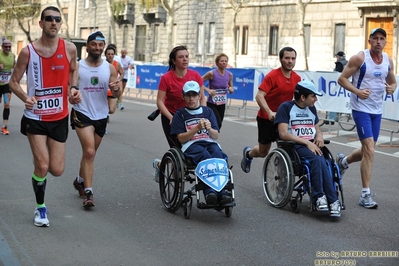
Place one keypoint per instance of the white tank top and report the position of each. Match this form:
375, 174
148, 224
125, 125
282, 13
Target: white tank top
373, 77
93, 84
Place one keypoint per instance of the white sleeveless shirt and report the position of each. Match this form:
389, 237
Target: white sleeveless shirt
93, 84
370, 76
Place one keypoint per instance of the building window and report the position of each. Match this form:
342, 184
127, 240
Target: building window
273, 40
211, 38
155, 39
174, 29
86, 4
307, 38
125, 36
141, 37
200, 38
339, 38
65, 14
244, 47
237, 38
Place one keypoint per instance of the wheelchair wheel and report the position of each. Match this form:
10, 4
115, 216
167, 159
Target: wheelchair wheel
187, 205
295, 203
171, 176
228, 211
278, 177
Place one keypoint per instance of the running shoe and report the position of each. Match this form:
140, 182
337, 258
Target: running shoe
338, 160
122, 107
321, 204
335, 209
368, 202
80, 187
246, 162
211, 199
5, 131
156, 163
225, 199
88, 199
40, 218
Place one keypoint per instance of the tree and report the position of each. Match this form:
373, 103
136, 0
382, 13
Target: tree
302, 4
21, 13
170, 8
236, 6
68, 37
111, 16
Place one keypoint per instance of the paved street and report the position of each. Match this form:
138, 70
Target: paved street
130, 226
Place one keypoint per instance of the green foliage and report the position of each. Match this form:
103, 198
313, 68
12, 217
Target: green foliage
148, 4
18, 9
118, 7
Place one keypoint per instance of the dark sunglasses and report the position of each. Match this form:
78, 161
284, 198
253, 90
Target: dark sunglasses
6, 46
51, 18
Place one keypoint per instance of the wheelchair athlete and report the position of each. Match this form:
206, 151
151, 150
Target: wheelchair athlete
197, 130
297, 121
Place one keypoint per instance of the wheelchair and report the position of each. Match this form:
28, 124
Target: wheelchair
286, 178
175, 172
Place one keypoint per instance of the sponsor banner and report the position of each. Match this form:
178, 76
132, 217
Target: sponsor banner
243, 84
247, 81
148, 77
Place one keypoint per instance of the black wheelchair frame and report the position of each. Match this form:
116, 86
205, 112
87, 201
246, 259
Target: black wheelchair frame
283, 166
175, 171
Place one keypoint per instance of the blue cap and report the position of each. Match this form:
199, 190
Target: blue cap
380, 30
306, 86
191, 86
96, 36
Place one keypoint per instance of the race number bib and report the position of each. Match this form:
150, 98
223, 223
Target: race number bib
201, 134
49, 101
5, 77
303, 128
220, 97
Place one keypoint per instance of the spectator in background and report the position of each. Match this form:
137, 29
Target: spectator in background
127, 62
339, 67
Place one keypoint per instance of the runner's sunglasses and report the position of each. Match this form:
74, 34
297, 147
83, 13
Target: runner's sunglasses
51, 18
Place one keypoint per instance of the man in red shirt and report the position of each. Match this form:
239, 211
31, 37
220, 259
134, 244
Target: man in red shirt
277, 87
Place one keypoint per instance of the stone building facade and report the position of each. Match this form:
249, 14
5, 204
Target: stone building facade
262, 28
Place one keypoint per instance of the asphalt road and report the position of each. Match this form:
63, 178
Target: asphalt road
129, 225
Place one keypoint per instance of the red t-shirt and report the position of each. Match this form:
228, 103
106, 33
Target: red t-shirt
278, 89
173, 86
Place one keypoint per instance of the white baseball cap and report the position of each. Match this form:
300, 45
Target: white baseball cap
191, 86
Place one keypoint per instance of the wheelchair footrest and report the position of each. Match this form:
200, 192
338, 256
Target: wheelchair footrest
203, 205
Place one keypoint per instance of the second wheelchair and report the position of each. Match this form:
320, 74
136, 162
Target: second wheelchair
286, 178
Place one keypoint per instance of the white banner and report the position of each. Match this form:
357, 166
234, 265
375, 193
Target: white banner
336, 98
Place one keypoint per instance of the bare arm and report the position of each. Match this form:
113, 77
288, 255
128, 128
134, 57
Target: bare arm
114, 85
74, 95
260, 99
231, 89
202, 96
119, 70
16, 77
391, 80
161, 106
208, 76
350, 69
